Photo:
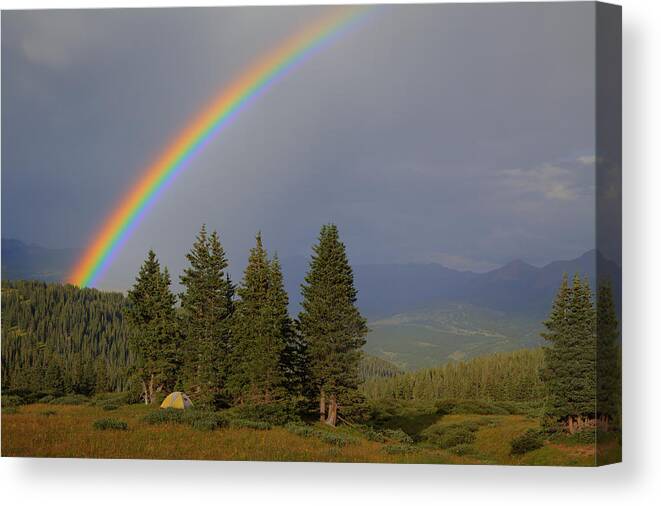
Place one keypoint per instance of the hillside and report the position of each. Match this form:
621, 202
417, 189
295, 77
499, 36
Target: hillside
30, 261
449, 332
53, 336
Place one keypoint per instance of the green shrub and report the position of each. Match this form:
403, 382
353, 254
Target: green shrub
46, 399
9, 401
448, 436
24, 396
110, 424
398, 449
455, 437
300, 429
240, 423
445, 407
109, 407
462, 449
336, 439
373, 435
530, 440
397, 435
584, 437
111, 399
273, 413
48, 412
160, 416
73, 400
10, 410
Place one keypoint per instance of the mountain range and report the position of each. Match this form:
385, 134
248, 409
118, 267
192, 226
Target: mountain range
419, 314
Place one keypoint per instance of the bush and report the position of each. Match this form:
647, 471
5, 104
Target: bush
240, 423
583, 437
46, 399
164, 416
462, 449
300, 429
9, 401
110, 424
398, 449
445, 407
273, 413
111, 398
73, 400
48, 412
530, 440
448, 436
336, 439
10, 410
397, 435
109, 407
22, 396
456, 436
373, 435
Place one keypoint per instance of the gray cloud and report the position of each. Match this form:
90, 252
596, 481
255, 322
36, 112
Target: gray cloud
433, 132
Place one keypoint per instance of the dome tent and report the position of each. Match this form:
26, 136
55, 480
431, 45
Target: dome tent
177, 400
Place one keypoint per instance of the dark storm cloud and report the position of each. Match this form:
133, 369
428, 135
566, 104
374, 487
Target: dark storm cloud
455, 133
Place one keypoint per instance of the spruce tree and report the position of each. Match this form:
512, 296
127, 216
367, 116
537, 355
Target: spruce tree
569, 372
330, 323
291, 367
260, 331
583, 329
207, 307
609, 378
155, 337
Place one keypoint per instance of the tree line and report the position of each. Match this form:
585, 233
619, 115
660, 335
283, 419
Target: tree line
234, 344
510, 376
227, 344
63, 339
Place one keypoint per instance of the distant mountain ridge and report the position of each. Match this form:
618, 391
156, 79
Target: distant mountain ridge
420, 315
30, 261
383, 289
517, 287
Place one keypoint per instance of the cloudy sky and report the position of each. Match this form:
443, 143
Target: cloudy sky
459, 134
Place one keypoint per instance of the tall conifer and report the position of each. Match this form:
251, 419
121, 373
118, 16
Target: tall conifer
155, 337
207, 307
609, 382
331, 324
569, 372
261, 330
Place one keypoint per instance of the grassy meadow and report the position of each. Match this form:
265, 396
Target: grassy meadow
90, 431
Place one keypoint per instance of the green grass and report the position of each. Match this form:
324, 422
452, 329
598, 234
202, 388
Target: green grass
138, 431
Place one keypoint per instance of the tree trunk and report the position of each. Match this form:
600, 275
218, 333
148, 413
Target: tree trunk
145, 393
570, 424
322, 406
332, 411
151, 389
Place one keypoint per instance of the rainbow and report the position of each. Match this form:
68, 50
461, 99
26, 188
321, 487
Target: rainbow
212, 119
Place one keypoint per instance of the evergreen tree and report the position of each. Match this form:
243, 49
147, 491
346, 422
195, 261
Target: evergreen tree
330, 323
291, 350
609, 377
261, 331
570, 360
207, 306
155, 338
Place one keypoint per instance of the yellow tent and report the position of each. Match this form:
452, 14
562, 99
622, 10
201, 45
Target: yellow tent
177, 400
